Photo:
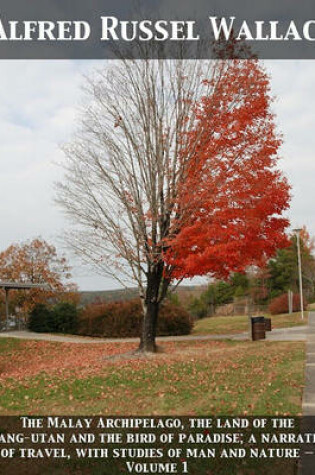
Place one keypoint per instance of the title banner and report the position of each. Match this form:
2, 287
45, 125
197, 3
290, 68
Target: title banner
202, 29
193, 445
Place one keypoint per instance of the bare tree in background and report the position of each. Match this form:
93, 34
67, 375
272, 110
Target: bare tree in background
123, 171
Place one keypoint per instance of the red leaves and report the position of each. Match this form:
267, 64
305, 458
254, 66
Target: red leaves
34, 357
82, 359
231, 201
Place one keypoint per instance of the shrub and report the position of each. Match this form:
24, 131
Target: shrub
173, 298
174, 320
198, 308
124, 319
65, 318
281, 305
61, 318
40, 319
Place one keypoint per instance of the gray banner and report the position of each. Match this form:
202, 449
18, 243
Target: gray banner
76, 29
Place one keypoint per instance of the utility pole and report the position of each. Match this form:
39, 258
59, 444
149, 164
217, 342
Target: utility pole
297, 233
7, 309
290, 301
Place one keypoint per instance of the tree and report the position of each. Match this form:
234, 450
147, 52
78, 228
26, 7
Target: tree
219, 293
173, 174
259, 285
36, 262
283, 268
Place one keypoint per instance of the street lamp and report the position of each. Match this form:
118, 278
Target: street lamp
297, 233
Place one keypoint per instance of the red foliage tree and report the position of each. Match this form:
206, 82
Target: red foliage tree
175, 175
36, 262
232, 196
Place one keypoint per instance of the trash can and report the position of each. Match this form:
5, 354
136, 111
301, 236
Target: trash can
268, 324
258, 328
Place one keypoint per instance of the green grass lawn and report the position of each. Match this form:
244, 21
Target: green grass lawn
201, 377
196, 378
239, 324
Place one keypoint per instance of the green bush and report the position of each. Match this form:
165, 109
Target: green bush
62, 318
65, 317
173, 298
199, 308
40, 319
124, 319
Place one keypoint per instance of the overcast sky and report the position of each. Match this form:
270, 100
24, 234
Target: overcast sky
38, 107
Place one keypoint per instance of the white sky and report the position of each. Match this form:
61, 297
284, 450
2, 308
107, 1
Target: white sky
38, 106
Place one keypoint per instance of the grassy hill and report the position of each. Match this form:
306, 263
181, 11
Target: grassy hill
184, 292
108, 295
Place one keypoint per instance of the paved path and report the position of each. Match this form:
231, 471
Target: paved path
307, 461
285, 334
298, 333
26, 335
309, 391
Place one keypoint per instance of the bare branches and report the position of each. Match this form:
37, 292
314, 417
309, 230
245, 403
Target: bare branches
124, 165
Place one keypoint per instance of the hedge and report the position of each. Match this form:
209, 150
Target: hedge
40, 319
124, 319
281, 305
62, 318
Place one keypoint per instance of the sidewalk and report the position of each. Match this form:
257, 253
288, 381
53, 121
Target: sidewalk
308, 405
27, 335
298, 333
307, 461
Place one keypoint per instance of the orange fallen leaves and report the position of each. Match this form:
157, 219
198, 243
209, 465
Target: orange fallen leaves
81, 359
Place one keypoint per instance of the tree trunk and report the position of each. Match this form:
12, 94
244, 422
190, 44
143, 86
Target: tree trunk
148, 333
151, 310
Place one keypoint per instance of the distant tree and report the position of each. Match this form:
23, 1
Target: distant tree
240, 281
199, 307
259, 285
173, 298
308, 262
283, 268
219, 293
36, 262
